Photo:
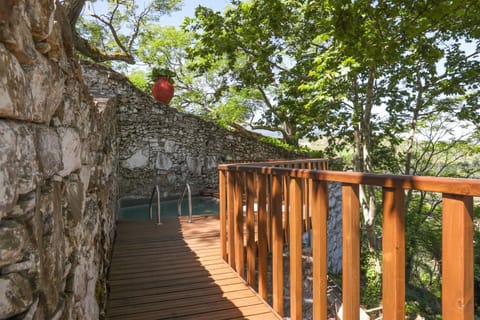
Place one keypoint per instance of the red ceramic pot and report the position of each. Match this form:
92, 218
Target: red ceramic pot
163, 90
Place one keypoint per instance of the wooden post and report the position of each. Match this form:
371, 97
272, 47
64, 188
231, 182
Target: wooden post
296, 231
239, 226
393, 243
351, 252
319, 212
223, 213
251, 247
277, 245
231, 218
262, 236
457, 258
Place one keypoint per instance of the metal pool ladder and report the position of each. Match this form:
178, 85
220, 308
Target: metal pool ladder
179, 203
156, 190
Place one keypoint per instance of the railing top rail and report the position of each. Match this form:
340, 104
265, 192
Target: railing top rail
275, 162
458, 186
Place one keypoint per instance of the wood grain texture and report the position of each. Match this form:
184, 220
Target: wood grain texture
262, 237
251, 245
296, 231
222, 180
393, 244
319, 207
175, 271
231, 219
457, 258
351, 252
457, 243
239, 224
277, 245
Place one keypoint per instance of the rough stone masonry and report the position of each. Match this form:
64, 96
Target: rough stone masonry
57, 171
160, 145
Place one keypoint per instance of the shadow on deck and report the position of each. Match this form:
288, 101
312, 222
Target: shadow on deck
175, 271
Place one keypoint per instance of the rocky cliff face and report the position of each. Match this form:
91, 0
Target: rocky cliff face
57, 174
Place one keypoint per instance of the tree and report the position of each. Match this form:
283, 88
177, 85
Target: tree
387, 55
360, 73
111, 35
443, 147
254, 38
209, 94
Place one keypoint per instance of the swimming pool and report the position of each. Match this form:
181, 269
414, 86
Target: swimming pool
168, 208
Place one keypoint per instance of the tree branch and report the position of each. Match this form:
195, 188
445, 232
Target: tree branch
109, 25
87, 49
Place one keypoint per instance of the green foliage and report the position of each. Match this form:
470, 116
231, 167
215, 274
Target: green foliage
301, 149
209, 95
327, 67
139, 80
156, 73
371, 280
112, 27
254, 40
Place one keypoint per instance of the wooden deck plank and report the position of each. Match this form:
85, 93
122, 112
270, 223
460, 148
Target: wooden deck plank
157, 264
167, 290
180, 298
175, 295
175, 271
196, 306
176, 279
166, 273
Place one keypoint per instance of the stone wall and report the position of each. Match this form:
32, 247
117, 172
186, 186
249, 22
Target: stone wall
57, 171
159, 145
334, 227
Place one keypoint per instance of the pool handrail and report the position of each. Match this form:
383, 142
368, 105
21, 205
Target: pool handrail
180, 200
156, 190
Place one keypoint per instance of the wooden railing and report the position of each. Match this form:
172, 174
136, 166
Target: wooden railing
292, 196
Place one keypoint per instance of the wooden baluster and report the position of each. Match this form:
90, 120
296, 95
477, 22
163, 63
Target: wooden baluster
277, 245
223, 213
457, 257
239, 226
393, 244
296, 231
286, 208
351, 252
231, 218
319, 205
269, 211
308, 200
251, 247
262, 236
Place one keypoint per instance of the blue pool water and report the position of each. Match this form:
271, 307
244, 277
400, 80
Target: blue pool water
168, 208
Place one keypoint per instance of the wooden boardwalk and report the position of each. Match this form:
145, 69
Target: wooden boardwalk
175, 271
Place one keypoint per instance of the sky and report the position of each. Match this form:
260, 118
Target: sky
188, 10
176, 18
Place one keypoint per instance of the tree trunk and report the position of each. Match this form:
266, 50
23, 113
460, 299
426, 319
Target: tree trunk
362, 157
413, 124
370, 211
73, 9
